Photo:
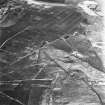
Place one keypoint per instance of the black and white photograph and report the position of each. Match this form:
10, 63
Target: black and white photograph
52, 52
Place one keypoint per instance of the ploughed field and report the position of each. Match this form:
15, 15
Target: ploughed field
27, 33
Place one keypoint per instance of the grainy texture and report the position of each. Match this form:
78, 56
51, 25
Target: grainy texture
49, 54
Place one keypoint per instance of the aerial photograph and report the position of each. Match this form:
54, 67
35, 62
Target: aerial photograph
52, 52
